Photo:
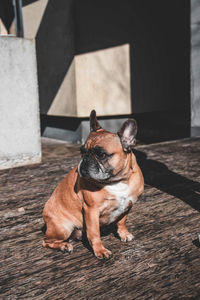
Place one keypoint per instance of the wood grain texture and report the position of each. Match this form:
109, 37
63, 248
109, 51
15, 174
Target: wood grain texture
162, 262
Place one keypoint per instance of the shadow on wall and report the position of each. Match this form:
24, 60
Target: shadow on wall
6, 13
55, 49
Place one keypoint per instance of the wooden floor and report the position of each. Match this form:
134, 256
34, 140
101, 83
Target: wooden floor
162, 262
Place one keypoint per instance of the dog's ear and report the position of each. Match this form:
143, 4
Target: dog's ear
127, 135
94, 125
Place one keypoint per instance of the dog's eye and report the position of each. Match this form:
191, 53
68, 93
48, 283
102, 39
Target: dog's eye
101, 155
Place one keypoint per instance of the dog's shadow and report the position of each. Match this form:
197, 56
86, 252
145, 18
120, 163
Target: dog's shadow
157, 174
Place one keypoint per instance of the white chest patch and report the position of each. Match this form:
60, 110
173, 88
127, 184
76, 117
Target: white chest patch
121, 192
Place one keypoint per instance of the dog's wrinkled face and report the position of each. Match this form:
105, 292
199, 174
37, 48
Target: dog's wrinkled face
102, 156
104, 153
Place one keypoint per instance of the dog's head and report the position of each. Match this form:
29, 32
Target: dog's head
104, 154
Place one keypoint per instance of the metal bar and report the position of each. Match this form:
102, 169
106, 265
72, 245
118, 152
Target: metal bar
19, 28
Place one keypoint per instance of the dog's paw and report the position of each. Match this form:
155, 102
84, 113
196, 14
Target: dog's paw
66, 247
125, 236
103, 253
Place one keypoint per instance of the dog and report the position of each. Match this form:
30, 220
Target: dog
99, 191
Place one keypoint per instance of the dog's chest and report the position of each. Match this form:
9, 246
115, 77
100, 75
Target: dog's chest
119, 200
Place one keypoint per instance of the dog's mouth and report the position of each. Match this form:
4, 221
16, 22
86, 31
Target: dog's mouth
98, 175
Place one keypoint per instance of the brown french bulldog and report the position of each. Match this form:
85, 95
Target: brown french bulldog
99, 191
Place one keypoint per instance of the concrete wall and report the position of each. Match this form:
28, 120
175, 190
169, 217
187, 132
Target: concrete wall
97, 80
195, 67
19, 105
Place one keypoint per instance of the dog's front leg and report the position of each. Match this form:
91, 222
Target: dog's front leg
91, 215
122, 231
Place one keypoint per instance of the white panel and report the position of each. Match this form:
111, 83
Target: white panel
19, 106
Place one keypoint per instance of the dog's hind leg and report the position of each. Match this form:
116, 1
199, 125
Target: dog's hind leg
56, 237
57, 244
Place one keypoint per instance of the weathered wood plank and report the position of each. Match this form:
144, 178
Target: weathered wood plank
162, 262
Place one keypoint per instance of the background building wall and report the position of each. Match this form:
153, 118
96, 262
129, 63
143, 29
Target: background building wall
158, 34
